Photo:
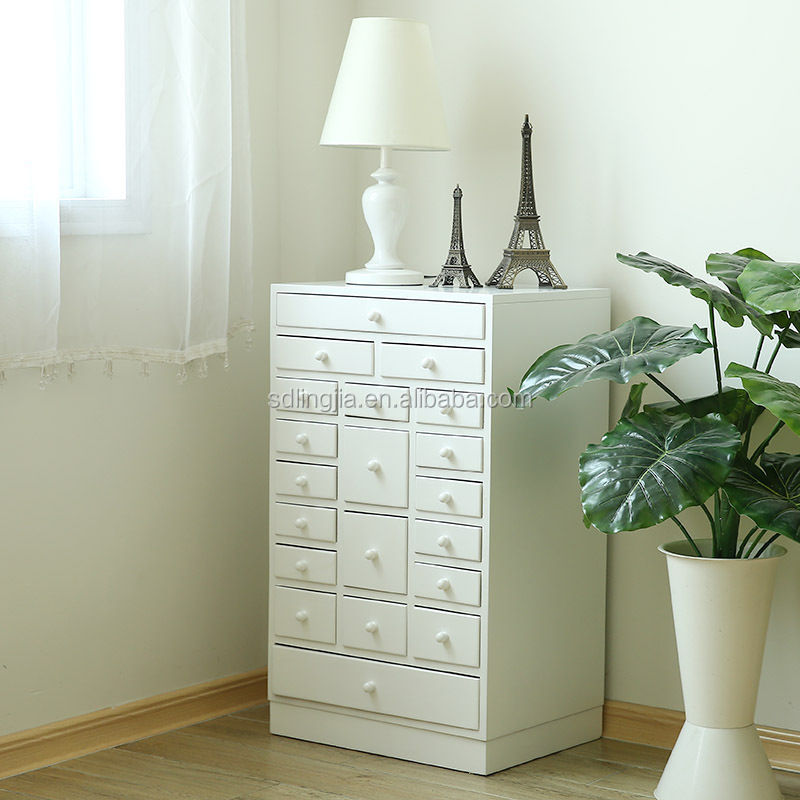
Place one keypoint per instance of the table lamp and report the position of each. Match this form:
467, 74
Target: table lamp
386, 97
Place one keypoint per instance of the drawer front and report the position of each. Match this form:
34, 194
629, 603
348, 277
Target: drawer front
416, 317
366, 685
450, 452
304, 522
304, 564
447, 539
305, 354
308, 396
447, 584
444, 636
372, 625
374, 466
299, 614
304, 480
305, 438
432, 363
373, 552
454, 409
376, 402
464, 498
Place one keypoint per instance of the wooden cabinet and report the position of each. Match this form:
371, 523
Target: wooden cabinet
434, 595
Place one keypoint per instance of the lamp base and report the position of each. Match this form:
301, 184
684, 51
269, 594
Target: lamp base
384, 277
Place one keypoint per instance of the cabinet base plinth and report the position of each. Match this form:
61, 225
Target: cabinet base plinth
434, 747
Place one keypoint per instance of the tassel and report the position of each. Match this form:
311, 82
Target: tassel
2, 378
70, 371
202, 368
108, 369
182, 376
44, 378
248, 342
145, 370
226, 365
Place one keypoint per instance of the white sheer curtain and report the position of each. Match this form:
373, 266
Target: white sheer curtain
162, 273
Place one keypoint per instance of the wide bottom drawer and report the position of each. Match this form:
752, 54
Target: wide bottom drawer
375, 686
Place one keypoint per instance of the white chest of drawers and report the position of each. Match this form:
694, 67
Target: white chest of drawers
434, 595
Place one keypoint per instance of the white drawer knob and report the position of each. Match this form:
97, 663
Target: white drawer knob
369, 687
301, 438
442, 637
443, 541
371, 554
446, 410
301, 523
301, 616
373, 466
428, 363
371, 627
446, 452
301, 566
374, 316
443, 584
321, 356
445, 497
301, 481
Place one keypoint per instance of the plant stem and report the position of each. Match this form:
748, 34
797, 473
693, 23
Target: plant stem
717, 368
755, 542
775, 352
669, 391
716, 525
689, 538
758, 350
746, 539
763, 446
766, 545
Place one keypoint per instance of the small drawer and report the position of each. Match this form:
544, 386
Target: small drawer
304, 522
447, 539
454, 409
373, 552
373, 625
308, 396
304, 480
381, 314
432, 363
447, 584
400, 691
441, 451
299, 614
376, 402
374, 466
305, 438
306, 354
464, 498
444, 636
304, 564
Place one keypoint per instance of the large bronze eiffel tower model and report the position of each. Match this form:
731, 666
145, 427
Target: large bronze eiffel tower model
456, 268
517, 257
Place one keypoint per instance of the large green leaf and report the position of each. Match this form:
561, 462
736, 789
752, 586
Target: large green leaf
782, 399
652, 466
771, 285
769, 496
733, 404
637, 346
727, 267
731, 308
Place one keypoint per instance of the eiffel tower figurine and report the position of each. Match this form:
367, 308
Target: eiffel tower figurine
516, 257
456, 267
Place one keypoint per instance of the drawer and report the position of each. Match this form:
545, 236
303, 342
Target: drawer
447, 539
431, 362
374, 466
309, 396
373, 625
373, 552
304, 438
304, 480
304, 522
299, 614
304, 564
392, 689
416, 317
376, 402
450, 452
447, 584
454, 409
308, 354
464, 498
445, 636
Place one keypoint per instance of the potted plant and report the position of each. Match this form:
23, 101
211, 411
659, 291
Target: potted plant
709, 452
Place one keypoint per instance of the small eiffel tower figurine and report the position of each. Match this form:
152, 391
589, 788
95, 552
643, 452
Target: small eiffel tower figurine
456, 267
517, 257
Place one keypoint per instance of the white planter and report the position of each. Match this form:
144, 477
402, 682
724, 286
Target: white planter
721, 610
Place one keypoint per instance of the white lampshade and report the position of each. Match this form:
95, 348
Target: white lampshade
386, 93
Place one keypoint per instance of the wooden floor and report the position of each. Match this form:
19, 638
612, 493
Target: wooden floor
236, 758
